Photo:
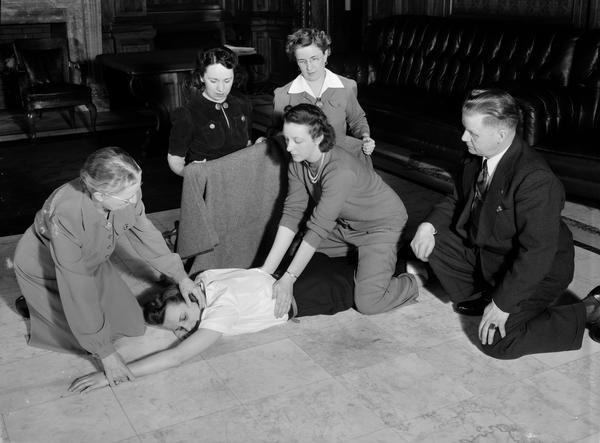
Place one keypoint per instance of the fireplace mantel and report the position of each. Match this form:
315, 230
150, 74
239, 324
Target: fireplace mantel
82, 18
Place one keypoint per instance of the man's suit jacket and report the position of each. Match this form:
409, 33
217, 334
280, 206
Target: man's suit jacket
521, 237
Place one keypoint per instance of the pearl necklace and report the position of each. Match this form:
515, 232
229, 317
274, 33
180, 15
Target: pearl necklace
315, 178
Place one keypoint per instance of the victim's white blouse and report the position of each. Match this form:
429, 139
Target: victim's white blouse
239, 301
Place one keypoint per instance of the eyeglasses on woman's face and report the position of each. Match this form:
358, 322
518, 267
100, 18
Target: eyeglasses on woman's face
131, 200
133, 197
312, 61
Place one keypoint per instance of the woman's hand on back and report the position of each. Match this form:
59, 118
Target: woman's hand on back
283, 290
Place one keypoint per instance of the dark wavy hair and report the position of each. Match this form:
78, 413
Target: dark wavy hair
305, 37
220, 55
154, 309
499, 106
313, 117
109, 169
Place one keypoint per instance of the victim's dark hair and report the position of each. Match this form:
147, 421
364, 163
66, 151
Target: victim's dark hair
154, 309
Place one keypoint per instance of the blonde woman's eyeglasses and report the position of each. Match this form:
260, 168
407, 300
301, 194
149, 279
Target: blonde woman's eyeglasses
130, 200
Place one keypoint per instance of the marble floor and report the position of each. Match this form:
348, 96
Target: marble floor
410, 375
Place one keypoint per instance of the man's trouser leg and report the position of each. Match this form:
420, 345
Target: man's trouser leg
455, 266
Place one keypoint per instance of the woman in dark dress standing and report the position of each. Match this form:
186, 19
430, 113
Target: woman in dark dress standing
214, 122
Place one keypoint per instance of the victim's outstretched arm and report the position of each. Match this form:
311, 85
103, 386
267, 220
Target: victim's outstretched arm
196, 343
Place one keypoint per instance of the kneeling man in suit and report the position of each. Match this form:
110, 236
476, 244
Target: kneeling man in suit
498, 245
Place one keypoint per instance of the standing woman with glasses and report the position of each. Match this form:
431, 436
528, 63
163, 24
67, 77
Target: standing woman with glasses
72, 292
213, 122
317, 85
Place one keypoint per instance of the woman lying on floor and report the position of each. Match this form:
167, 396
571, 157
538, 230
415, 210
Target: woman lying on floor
238, 301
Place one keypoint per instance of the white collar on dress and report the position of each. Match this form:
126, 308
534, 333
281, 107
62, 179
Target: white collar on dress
300, 84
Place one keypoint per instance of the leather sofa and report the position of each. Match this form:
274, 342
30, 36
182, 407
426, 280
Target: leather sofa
415, 71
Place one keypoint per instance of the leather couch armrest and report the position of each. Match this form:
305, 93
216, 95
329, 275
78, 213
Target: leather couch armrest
354, 66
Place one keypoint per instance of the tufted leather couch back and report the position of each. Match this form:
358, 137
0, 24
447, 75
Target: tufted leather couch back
449, 56
553, 71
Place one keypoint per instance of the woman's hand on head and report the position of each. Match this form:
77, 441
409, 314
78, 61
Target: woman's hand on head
187, 287
283, 290
115, 369
368, 145
89, 383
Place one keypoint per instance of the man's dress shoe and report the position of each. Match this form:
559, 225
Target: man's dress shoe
21, 307
472, 307
593, 322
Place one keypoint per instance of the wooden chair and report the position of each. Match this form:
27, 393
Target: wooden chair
46, 80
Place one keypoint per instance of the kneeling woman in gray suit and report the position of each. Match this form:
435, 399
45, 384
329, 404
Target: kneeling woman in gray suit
353, 209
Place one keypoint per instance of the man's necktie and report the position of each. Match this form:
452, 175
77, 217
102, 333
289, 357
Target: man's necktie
480, 190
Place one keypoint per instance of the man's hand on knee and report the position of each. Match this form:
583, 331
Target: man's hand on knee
493, 319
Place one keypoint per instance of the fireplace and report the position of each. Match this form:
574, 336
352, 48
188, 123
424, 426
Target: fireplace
81, 19
77, 20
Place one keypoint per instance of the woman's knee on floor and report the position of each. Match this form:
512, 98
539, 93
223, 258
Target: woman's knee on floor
367, 307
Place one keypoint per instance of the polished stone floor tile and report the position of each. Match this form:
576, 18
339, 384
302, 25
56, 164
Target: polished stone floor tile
7, 273
267, 369
587, 267
13, 343
566, 392
8, 313
386, 435
461, 360
230, 344
3, 432
24, 384
404, 388
595, 438
584, 372
90, 418
581, 288
174, 396
234, 425
349, 347
554, 359
465, 421
426, 323
536, 412
324, 411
